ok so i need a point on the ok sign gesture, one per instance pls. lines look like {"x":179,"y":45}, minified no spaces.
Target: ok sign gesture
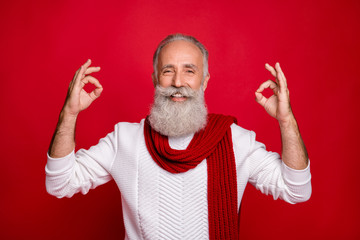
{"x":278,"y":104}
{"x":77,"y":98}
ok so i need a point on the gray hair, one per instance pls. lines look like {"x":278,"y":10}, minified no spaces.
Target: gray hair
{"x":188,"y":38}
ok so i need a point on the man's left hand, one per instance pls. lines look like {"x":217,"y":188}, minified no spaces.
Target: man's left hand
{"x":278,"y":104}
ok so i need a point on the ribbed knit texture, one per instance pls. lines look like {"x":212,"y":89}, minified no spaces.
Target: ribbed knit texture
{"x":146,"y":189}
{"x":215,"y":144}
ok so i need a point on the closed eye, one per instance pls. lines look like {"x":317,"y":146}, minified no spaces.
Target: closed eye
{"x":168,"y":68}
{"x":167,"y":71}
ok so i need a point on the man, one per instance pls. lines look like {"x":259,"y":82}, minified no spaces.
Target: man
{"x":181,"y":171}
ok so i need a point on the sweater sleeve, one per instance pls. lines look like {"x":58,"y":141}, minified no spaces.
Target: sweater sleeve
{"x":269,"y":174}
{"x":83,"y":170}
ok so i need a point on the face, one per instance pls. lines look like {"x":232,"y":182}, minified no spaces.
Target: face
{"x":180,"y":64}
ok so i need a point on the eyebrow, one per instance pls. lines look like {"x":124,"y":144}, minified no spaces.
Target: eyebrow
{"x":187,"y":65}
{"x":167,"y":66}
{"x":190,"y":65}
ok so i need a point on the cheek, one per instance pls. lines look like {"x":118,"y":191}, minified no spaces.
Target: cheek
{"x":195,"y":83}
{"x":165,"y":81}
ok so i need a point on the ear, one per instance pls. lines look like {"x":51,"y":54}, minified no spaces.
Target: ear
{"x":206,"y":80}
{"x":154,"y":79}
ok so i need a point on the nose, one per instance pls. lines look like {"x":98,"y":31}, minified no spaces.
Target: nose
{"x":177,"y":80}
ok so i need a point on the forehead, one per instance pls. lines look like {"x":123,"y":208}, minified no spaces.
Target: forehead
{"x":180,"y":51}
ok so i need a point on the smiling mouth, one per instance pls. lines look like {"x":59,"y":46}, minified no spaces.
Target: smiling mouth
{"x":178,"y":97}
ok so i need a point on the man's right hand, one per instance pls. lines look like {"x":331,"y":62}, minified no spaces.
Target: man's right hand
{"x":77,"y":98}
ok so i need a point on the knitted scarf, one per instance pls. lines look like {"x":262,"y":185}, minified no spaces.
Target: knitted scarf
{"x":215,"y":144}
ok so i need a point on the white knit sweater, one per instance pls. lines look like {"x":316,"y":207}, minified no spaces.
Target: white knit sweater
{"x":161,"y":205}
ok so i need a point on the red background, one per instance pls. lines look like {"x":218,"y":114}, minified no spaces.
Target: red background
{"x":44,"y":42}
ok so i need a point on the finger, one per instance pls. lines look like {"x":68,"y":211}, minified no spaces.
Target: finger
{"x":74,"y":79}
{"x":92,"y":70}
{"x":79,"y":75}
{"x":87,"y":63}
{"x":96,"y":93}
{"x":259,"y":98}
{"x":81,"y":72}
{"x":92,"y":80}
{"x":282,"y":73}
{"x":270,"y":69}
{"x":76,"y":73}
{"x":268,"y":84}
{"x":281,"y":77}
{"x":75,"y":76}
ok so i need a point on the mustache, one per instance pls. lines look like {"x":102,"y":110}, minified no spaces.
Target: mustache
{"x":169,"y":91}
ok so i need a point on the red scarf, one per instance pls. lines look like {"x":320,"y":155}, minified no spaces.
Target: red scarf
{"x":215,"y":144}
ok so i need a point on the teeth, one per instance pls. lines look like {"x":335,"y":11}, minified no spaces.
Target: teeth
{"x":178,"y":95}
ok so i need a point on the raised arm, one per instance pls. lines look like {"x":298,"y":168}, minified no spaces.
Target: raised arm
{"x":294,"y":153}
{"x":77,"y":99}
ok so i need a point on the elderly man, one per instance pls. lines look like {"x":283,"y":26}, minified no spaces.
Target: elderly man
{"x":181,"y":171}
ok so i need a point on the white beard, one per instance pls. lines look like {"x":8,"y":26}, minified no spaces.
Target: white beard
{"x":176,"y":119}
